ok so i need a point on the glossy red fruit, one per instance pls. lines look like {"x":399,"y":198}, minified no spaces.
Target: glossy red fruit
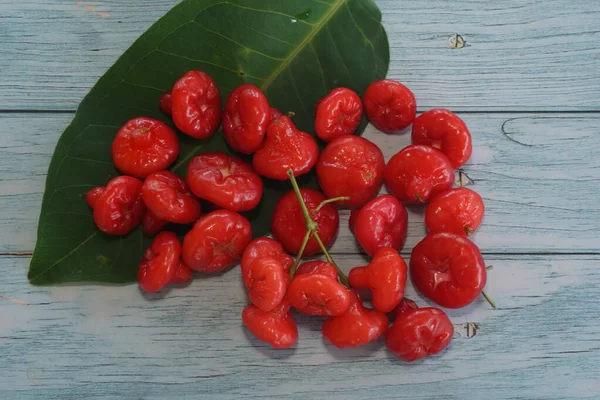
{"x":228,"y":182}
{"x":160,"y":262}
{"x":216,"y":241}
{"x":381,"y":223}
{"x":285,"y":148}
{"x":338,"y":114}
{"x":168,"y":197}
{"x":288,"y":224}
{"x":151,"y":224}
{"x":274,"y":115}
{"x":276,"y":327}
{"x":357,"y":326}
{"x":245,"y":119}
{"x":446,"y":131}
{"x":318,"y":267}
{"x":93,"y":195}
{"x":165,"y":103}
{"x":318,"y":295}
{"x":266,"y":281}
{"x":120,"y":208}
{"x":183,"y":274}
{"x":390,"y":106}
{"x":385,"y":277}
{"x":196,"y":105}
{"x":405,"y":306}
{"x":351,"y":166}
{"x":448,"y":269}
{"x":419,"y":333}
{"x":265,"y":248}
{"x":458,"y":211}
{"x":417,"y":173}
{"x":144,"y":146}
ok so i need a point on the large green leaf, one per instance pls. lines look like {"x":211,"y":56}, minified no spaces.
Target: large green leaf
{"x":295,"y":50}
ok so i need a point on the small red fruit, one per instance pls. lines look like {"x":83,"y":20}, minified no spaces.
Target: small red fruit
{"x":196,"y":105}
{"x":318,"y":295}
{"x":183,"y":274}
{"x":405,"y":306}
{"x":276,"y":327}
{"x":458,"y":211}
{"x":93,"y":195}
{"x":318,"y":267}
{"x":143,"y":146}
{"x":228,"y":182}
{"x":168,"y":197}
{"x":448,"y":269}
{"x":160,"y":262}
{"x":338,"y":114}
{"x":165,"y":102}
{"x":351,"y":166}
{"x":265,"y":248}
{"x":419,"y":333}
{"x":390,"y":106}
{"x":266,"y":281}
{"x":245,"y":119}
{"x":216,"y":241}
{"x":274,"y":115}
{"x":385,"y":277}
{"x":357,"y":326}
{"x":120,"y":208}
{"x":285,"y":148}
{"x":418,"y":172}
{"x":382,"y":223}
{"x":288,"y":224}
{"x":151,"y":224}
{"x":446,"y":131}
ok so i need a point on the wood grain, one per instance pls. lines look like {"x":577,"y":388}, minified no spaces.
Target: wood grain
{"x":529,"y":55}
{"x":531,"y":169}
{"x":112,"y":342}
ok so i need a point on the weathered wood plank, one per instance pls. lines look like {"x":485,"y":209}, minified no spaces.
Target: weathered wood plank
{"x":532,"y":170}
{"x":111,"y":342}
{"x":526,"y":55}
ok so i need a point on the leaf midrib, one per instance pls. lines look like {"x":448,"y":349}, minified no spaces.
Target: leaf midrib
{"x":308,"y":39}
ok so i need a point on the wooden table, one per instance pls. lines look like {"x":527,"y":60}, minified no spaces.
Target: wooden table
{"x":527,"y":82}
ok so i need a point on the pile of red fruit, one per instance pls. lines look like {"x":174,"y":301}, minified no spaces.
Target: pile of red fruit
{"x":445,"y":267}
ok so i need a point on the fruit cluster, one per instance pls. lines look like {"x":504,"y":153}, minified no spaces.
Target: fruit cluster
{"x":445,"y":267}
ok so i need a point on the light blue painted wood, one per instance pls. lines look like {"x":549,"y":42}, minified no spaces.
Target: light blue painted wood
{"x":112,"y":343}
{"x":519,"y":55}
{"x":531,"y":169}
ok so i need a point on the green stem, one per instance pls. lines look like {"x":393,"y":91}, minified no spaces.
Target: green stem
{"x":489,"y":267}
{"x":342,"y":276}
{"x":329,"y":201}
{"x":310,"y":224}
{"x":300,"y":253}
{"x":489,"y":300}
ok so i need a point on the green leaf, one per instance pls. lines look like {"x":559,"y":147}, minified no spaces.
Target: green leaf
{"x":295,"y":51}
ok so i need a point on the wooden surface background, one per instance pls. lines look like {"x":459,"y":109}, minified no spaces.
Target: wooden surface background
{"x":527,"y":82}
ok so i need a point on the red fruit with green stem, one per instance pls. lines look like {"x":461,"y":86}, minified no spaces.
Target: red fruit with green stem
{"x":196,"y":105}
{"x":390,"y":106}
{"x":151,"y":224}
{"x":285,"y":148}
{"x":245,"y":119}
{"x":381,"y":223}
{"x":216,"y":241}
{"x":318,"y":295}
{"x":417,"y":173}
{"x":160,"y":263}
{"x":338,"y":114}
{"x":144,"y":146}
{"x":352,"y":167}
{"x":288,"y":223}
{"x":357,"y":326}
{"x":169,"y":198}
{"x":448,"y":269}
{"x":276,"y":327}
{"x":165,"y":103}
{"x":458,"y":211}
{"x":385,"y":277}
{"x":226,"y":181}
{"x":446,"y":131}
{"x":419,"y":333}
{"x":119,"y":209}
{"x":317,"y":267}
